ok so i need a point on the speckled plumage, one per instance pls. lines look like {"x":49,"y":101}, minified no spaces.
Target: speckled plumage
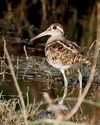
{"x":62,"y":53}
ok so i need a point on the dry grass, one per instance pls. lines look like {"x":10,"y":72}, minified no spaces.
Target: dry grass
{"x":8,"y":114}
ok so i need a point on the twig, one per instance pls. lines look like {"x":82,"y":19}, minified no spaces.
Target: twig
{"x":16,"y":83}
{"x":26,"y":53}
{"x":89,"y":82}
{"x":3,"y":67}
{"x":90,"y":48}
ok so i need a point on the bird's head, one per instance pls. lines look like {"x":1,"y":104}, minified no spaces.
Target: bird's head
{"x":55,"y":30}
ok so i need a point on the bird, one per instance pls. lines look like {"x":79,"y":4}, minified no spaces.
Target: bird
{"x":62,"y":54}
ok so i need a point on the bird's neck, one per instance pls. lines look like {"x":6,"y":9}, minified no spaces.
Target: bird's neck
{"x":55,"y":37}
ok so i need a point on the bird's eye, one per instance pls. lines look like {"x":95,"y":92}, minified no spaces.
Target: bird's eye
{"x":54,"y":27}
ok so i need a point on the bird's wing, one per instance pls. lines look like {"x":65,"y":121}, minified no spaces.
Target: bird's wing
{"x":71,"y":46}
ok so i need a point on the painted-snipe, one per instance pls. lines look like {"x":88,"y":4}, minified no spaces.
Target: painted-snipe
{"x":62,"y":53}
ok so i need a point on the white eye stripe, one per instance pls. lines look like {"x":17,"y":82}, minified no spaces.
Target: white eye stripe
{"x":60,"y":29}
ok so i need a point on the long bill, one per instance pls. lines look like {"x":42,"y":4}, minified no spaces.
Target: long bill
{"x":45,"y":33}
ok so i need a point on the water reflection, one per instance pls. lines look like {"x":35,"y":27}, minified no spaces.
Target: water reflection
{"x":36,"y":76}
{"x":34,"y":73}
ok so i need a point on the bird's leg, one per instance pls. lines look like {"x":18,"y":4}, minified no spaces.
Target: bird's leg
{"x":65,"y":86}
{"x":80,"y":81}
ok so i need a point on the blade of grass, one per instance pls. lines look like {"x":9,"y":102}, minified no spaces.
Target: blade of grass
{"x":55,"y":122}
{"x":16,"y":83}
